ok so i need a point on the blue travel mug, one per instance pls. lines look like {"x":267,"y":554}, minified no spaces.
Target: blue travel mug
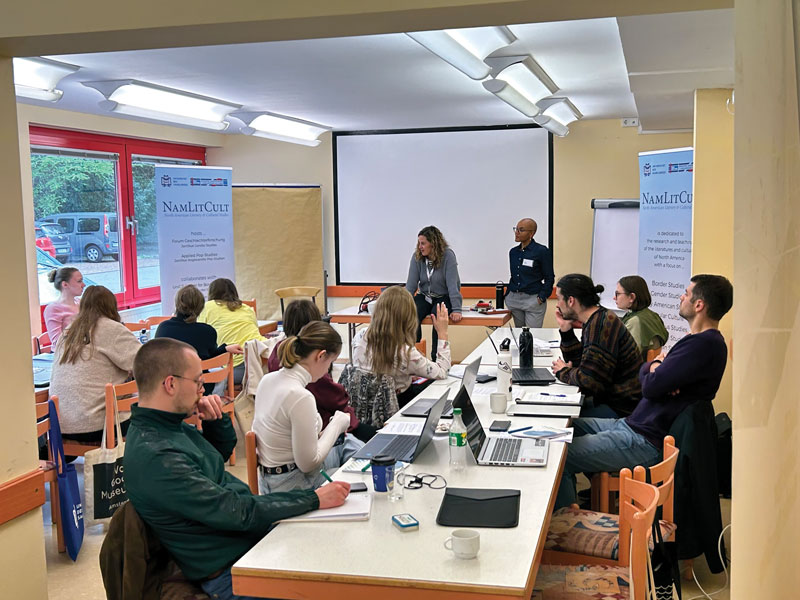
{"x":382,"y":472}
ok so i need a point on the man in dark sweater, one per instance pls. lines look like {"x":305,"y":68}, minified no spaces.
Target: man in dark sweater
{"x":175,"y":475}
{"x":691,"y":372}
{"x":605,"y":363}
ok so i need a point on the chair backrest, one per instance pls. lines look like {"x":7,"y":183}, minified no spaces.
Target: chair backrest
{"x":223,"y":370}
{"x":251,"y":458}
{"x":251,"y":304}
{"x":303,"y":291}
{"x":152,"y":321}
{"x":373,"y":397}
{"x":136,"y":326}
{"x":121,"y":395}
{"x":42,"y":344}
{"x":653,"y":352}
{"x":637,"y":507}
{"x":42,"y":409}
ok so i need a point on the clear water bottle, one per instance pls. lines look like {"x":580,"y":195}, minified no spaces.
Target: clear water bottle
{"x":144,"y":335}
{"x":458,"y":443}
{"x":526,"y":349}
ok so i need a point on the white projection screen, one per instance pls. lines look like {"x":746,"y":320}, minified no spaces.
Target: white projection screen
{"x":473,"y":184}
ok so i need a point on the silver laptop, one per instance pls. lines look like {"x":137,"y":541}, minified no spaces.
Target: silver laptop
{"x":422,"y":407}
{"x":501,"y":451}
{"x":404,"y":447}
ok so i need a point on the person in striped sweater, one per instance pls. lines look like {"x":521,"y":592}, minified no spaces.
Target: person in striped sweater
{"x":605,"y":363}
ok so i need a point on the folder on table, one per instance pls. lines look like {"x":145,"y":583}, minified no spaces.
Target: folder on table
{"x":474,"y":507}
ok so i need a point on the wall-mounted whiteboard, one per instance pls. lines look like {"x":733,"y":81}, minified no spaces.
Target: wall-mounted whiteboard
{"x":473,"y":184}
{"x":615,"y":244}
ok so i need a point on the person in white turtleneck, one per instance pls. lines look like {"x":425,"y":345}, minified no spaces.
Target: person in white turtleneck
{"x":290,"y":447}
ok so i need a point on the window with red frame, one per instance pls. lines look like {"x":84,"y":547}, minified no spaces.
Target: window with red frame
{"x":94,"y":208}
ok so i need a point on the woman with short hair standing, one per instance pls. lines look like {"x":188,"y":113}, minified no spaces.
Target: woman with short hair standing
{"x":60,"y":313}
{"x":96,"y":349}
{"x":433,"y":276}
{"x":292,"y":445}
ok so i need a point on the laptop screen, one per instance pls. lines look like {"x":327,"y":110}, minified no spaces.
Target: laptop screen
{"x":475,"y":433}
{"x":431,"y":421}
{"x":470,"y":373}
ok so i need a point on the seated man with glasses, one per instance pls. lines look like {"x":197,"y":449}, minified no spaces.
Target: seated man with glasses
{"x":176,"y":479}
{"x":531,"y":277}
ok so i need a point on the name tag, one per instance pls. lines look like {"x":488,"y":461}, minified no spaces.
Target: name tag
{"x":527,"y":262}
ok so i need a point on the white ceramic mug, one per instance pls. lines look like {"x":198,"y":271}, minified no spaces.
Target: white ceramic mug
{"x":371,"y":308}
{"x":464,"y":543}
{"x":498,"y":401}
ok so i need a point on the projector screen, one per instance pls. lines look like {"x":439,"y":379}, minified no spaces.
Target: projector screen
{"x":473,"y":184}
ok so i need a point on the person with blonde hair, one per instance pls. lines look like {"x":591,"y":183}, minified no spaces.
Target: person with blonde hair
{"x":386,"y":347}
{"x":60,"y":313}
{"x":234,"y":321}
{"x":292,"y":445}
{"x":433,"y":276}
{"x":189,"y":303}
{"x":96,"y":349}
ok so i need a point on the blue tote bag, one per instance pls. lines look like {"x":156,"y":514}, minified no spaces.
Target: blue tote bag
{"x":69,"y":495}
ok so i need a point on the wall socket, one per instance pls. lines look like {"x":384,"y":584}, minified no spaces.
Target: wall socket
{"x":630,"y":122}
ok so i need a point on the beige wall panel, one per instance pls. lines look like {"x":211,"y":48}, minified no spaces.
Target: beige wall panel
{"x":712,"y":208}
{"x":766,"y":417}
{"x":277,"y":243}
{"x":21,"y":540}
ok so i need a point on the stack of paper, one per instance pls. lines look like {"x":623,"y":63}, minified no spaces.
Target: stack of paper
{"x":554,"y":434}
{"x":547,"y":397}
{"x":356,"y":507}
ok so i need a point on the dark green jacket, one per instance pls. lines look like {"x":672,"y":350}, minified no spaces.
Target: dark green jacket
{"x":176,"y":479}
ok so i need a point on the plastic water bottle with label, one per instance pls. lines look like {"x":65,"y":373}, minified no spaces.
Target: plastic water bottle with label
{"x":144,"y":336}
{"x":458,"y":443}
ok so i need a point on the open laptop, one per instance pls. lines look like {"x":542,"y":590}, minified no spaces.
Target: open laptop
{"x":504,"y":451}
{"x":402,"y":447}
{"x":529,"y":375}
{"x":422,"y":407}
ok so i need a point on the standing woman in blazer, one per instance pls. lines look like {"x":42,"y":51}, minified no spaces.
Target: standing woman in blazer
{"x":433,"y":276}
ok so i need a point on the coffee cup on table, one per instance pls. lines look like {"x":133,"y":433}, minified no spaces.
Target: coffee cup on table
{"x":498,"y":402}
{"x":464,"y":543}
{"x":382,"y":467}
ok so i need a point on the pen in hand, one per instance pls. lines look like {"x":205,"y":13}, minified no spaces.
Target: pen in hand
{"x":326,"y":476}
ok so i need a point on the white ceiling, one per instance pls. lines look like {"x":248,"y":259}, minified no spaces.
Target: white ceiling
{"x":391,"y":82}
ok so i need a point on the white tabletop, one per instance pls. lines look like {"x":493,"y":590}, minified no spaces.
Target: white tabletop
{"x":351,"y":558}
{"x":469,"y":317}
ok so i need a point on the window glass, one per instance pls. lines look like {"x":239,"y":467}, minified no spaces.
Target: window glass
{"x":86,"y":225}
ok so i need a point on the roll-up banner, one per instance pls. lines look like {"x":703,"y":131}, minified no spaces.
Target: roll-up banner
{"x":195,"y":228}
{"x":665,"y":231}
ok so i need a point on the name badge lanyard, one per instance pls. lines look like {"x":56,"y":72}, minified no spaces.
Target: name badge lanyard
{"x":429,"y":269}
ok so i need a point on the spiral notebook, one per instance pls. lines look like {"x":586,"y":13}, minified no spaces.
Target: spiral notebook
{"x":357,"y":507}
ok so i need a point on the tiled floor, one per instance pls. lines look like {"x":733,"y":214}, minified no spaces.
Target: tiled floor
{"x":82,"y":580}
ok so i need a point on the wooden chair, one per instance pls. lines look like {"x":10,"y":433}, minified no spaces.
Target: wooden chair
{"x":638,"y":502}
{"x":122,"y":395}
{"x":251,"y":458}
{"x":586,"y":537}
{"x":49,"y":466}
{"x":652,"y":353}
{"x":42,"y":344}
{"x":153,"y":321}
{"x":301,"y":291}
{"x":251,"y":304}
{"x":422,"y":346}
{"x":223,"y":371}
{"x":606,"y":484}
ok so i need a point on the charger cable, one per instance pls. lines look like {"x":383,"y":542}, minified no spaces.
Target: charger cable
{"x":705,"y":594}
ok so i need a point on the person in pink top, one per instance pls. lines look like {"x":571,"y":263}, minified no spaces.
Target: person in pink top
{"x":57,"y":315}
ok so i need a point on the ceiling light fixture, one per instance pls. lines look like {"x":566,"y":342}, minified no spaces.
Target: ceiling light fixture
{"x":520,"y":82}
{"x":37,"y":78}
{"x":148,"y":101}
{"x":556,"y":114}
{"x":281,"y":128}
{"x":466,"y":49}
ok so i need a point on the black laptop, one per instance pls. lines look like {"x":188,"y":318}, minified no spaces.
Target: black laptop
{"x":422,"y":407}
{"x":532,"y":376}
{"x":405,"y":448}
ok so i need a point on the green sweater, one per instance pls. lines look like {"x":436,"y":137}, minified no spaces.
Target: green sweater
{"x":645,"y":326}
{"x":176,"y":479}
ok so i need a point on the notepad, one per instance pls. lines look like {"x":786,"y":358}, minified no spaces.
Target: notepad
{"x":357,"y":507}
{"x":356,"y":465}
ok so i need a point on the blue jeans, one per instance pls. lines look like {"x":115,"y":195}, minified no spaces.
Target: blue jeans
{"x":341,"y":454}
{"x":602,"y":445}
{"x":221,"y":588}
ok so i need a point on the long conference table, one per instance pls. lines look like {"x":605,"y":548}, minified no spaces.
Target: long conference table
{"x":372,"y":559}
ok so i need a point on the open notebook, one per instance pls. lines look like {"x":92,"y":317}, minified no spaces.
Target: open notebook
{"x":356,"y":507}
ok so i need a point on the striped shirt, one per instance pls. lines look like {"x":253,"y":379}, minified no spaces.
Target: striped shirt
{"x":605,"y":363}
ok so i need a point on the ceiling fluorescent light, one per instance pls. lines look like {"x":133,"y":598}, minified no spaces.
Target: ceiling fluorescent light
{"x":465,"y":49}
{"x":281,"y":128}
{"x":559,"y":109}
{"x":553,"y":126}
{"x":37,"y":78}
{"x":512,"y":97}
{"x":145,"y":100}
{"x":524,"y":74}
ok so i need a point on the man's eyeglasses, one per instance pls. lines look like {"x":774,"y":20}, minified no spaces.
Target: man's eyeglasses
{"x":198,"y":382}
{"x":519,"y":229}
{"x":416,"y":481}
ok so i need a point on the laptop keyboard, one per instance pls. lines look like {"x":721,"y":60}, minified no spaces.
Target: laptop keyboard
{"x":401,"y":446}
{"x":506,"y":450}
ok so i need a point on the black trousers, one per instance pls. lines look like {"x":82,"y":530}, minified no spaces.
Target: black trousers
{"x":423,"y":310}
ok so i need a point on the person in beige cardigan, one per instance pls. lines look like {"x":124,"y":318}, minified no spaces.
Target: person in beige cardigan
{"x":95,"y":350}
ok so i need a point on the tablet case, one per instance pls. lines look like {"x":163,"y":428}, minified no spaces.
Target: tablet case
{"x":473,"y":507}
